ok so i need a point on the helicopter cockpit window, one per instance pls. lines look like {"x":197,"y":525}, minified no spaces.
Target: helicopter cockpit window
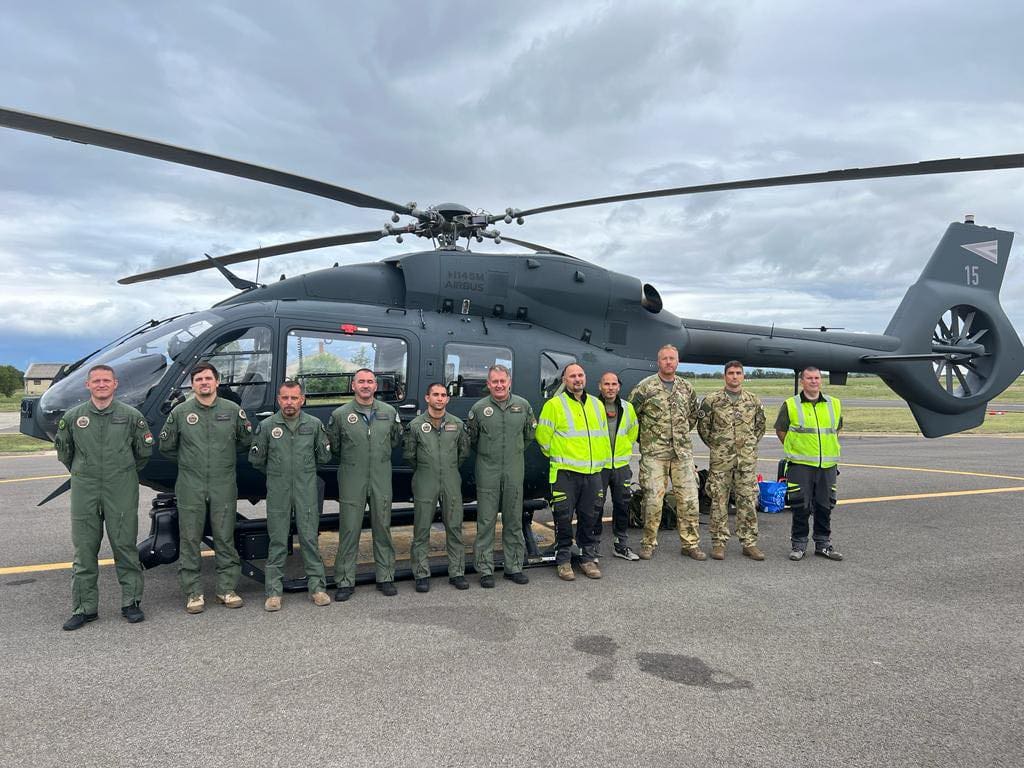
{"x":551,"y":366}
{"x":324,"y":362}
{"x":244,"y":360}
{"x":465,"y":367}
{"x":140,"y":362}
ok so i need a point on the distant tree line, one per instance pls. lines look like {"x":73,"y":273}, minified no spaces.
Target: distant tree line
{"x":11,"y":380}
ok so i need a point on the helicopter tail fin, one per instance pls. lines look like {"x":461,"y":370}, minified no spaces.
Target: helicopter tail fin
{"x":957,"y":350}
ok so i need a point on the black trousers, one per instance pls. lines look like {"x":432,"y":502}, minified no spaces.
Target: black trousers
{"x":814,"y":494}
{"x":574,"y":493}
{"x":618,"y":481}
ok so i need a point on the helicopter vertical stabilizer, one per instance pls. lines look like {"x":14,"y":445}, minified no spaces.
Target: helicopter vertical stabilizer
{"x":957,"y":348}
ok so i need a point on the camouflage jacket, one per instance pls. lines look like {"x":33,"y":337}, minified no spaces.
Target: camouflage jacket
{"x":731,"y":430}
{"x":666,"y":418}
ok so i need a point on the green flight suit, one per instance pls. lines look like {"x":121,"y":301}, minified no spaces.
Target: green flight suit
{"x":287,"y":451}
{"x":363,"y":448}
{"x":104,"y":450}
{"x":499,"y":433}
{"x":435,"y":454}
{"x":204,"y":442}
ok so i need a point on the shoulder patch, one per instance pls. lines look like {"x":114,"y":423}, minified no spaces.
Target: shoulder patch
{"x":62,"y":424}
{"x":241,"y":413}
{"x":472,"y":415}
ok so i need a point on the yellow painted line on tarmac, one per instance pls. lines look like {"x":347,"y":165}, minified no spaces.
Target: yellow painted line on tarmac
{"x":40,"y":477}
{"x":939,"y":495}
{"x":13,"y":569}
{"x":935,"y":471}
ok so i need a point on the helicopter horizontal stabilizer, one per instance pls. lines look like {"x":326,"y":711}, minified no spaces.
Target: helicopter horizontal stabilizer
{"x":60,"y":489}
{"x":957,"y":348}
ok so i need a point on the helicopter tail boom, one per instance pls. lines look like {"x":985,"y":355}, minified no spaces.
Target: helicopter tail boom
{"x":948,"y":350}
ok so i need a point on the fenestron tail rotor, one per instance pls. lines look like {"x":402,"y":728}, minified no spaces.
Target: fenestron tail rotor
{"x":966,"y":362}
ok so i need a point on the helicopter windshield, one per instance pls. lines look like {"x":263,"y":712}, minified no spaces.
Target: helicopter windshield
{"x":139,"y":363}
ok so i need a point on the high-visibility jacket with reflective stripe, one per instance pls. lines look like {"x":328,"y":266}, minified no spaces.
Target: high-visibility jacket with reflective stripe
{"x":625,"y":435}
{"x":813,"y":434}
{"x":574,"y":435}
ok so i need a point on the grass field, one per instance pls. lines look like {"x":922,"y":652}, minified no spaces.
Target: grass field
{"x":23,"y":444}
{"x":10,"y":404}
{"x":857,"y":419}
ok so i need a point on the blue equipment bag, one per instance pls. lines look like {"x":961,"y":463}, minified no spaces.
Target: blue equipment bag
{"x":772,"y":496}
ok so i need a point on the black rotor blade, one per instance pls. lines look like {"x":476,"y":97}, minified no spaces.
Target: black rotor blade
{"x":83,"y":134}
{"x":951,"y":165}
{"x":534,"y":246}
{"x":256,"y":253}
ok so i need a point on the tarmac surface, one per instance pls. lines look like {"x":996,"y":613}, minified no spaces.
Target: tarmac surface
{"x":908,"y":653}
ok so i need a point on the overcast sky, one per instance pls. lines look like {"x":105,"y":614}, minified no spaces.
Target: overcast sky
{"x":534,"y":104}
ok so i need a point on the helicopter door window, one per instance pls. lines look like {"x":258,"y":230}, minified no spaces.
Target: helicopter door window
{"x":465,"y":367}
{"x":551,"y":366}
{"x":244,"y":360}
{"x":324,"y":363}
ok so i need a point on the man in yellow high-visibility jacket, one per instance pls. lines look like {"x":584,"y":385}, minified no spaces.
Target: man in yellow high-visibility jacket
{"x":623,"y":428}
{"x":808,"y":427}
{"x":573,"y":433}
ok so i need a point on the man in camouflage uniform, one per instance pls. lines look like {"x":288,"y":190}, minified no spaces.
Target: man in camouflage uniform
{"x":104,"y":444}
{"x":362,"y":434}
{"x":287,"y":448}
{"x":500,"y":425}
{"x":203,"y":436}
{"x":436,"y":444}
{"x":731,"y":422}
{"x":666,"y":407}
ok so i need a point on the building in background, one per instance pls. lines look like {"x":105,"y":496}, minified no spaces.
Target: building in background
{"x":39,"y":377}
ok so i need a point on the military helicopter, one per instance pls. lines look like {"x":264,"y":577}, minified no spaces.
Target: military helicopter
{"x":447,"y":314}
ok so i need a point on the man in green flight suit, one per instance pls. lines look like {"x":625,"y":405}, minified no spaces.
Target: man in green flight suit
{"x":501,"y":425}
{"x":362,"y":434}
{"x":436,"y":444}
{"x":287,"y":448}
{"x":203,"y":436}
{"x":104,"y":443}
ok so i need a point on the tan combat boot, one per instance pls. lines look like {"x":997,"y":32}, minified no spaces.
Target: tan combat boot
{"x":718,"y":551}
{"x":590,"y":570}
{"x":753,"y":552}
{"x":695,"y":552}
{"x":646,"y":552}
{"x":272,"y":603}
{"x":565,"y":572}
{"x":195,"y":604}
{"x":231,"y":600}
{"x":320,"y":598}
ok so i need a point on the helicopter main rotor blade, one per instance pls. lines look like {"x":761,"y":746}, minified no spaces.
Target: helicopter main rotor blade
{"x":256,"y":253}
{"x":950,"y":165}
{"x":83,"y":134}
{"x":534,"y":246}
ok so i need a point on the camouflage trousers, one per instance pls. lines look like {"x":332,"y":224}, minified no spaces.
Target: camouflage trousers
{"x":740,"y":482}
{"x":655,"y":475}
